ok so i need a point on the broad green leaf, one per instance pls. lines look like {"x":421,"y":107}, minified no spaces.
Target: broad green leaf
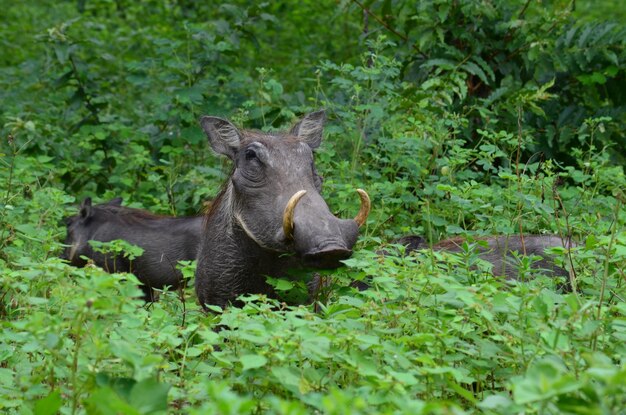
{"x":252,"y":361}
{"x":49,"y":405}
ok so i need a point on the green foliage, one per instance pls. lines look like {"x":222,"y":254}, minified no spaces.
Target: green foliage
{"x":504,"y":62}
{"x":117,"y":247}
{"x":465,"y":118}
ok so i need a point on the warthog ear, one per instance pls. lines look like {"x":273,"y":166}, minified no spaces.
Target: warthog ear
{"x":116,"y":201}
{"x":412,"y":242}
{"x":310,"y":128}
{"x":223,"y":136}
{"x":85,"y":208}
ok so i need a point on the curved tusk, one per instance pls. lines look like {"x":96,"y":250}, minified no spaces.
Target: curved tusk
{"x":288,"y":213}
{"x":366,"y":205}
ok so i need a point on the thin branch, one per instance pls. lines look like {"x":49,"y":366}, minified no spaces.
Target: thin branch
{"x":523,"y":11}
{"x":386,"y":26}
{"x":517,"y":173}
{"x":566,"y":237}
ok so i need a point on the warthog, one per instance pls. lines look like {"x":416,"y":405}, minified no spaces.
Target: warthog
{"x":165,"y":241}
{"x":269,"y":215}
{"x":499,"y":251}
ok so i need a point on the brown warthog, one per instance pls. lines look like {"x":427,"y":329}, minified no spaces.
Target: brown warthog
{"x":165,"y":241}
{"x":499,"y":251}
{"x":269,"y":216}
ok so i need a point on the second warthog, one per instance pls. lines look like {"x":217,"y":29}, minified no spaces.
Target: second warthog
{"x":165,"y":240}
{"x":269,"y":216}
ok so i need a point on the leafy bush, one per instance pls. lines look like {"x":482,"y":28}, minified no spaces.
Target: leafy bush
{"x":503,"y":63}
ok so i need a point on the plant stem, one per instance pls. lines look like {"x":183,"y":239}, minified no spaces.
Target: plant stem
{"x":605,"y":275}
{"x":77,"y":344}
{"x":11,"y":142}
{"x":519,"y":178}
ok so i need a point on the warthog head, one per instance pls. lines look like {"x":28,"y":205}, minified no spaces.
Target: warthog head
{"x":81,"y":229}
{"x":275,"y":191}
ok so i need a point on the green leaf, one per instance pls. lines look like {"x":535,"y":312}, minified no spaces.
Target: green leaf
{"x":105,"y":401}
{"x":440,"y":63}
{"x":252,"y":361}
{"x":280,"y":284}
{"x":122,"y":386}
{"x":403,"y":377}
{"x":474,"y":69}
{"x":544,"y":380}
{"x":495,"y":402}
{"x":149,"y":396}
{"x":287,"y":376}
{"x":49,"y":405}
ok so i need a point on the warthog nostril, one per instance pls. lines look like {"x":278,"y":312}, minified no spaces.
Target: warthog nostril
{"x":327,"y":257}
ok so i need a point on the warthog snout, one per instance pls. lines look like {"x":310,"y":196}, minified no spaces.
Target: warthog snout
{"x":327,"y":253}
{"x":328,"y":256}
{"x":321,"y":239}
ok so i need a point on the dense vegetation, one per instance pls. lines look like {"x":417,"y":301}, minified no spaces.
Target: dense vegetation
{"x":465,"y":117}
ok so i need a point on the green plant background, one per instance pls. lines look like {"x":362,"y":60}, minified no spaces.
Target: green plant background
{"x":465,"y":117}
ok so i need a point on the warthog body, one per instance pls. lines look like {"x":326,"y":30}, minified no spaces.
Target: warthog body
{"x":165,"y":241}
{"x":499,"y":251}
{"x":269,"y":216}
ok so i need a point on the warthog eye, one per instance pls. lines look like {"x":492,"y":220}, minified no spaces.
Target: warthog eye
{"x":250,"y":154}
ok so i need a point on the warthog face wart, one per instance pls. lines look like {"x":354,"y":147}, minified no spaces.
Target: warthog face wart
{"x":269,"y":206}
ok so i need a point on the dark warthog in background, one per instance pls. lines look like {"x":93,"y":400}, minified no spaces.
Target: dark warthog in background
{"x":165,"y":241}
{"x":270,"y":207}
{"x":499,"y":251}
